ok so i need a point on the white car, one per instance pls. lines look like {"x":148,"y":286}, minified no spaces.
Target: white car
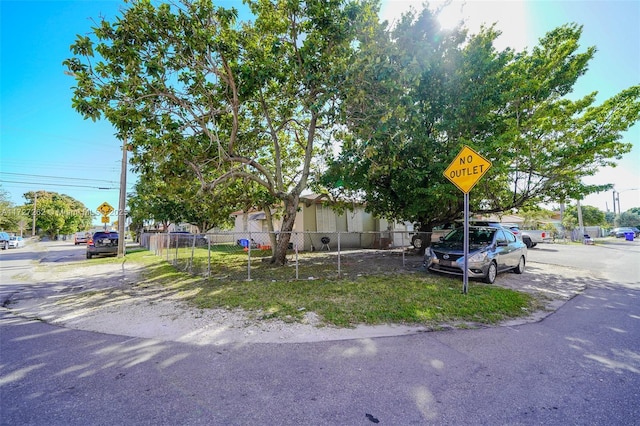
{"x":81,"y":238}
{"x":16,"y":242}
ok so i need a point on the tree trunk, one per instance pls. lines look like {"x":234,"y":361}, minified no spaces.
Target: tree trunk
{"x":280,"y":251}
{"x":272,"y":235}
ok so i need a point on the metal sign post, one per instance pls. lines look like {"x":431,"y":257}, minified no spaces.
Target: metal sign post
{"x":465,"y":273}
{"x":464,"y":172}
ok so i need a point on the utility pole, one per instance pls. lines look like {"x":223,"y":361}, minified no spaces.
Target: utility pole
{"x":123,"y":199}
{"x":580,"y":223}
{"x":33,"y":222}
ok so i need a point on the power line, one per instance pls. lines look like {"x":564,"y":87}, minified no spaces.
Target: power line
{"x":58,"y":177}
{"x":56,"y":184}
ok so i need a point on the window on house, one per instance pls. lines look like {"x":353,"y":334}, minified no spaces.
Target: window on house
{"x":325,"y":219}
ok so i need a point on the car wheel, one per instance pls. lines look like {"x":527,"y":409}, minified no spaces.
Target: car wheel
{"x":492,"y":272}
{"x":88,"y":255}
{"x":6,"y":246}
{"x":527,"y":242}
{"x":417,"y":241}
{"x":520,"y":268}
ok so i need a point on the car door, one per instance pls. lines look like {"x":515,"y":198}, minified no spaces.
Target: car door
{"x":503,"y":250}
{"x":513,"y":256}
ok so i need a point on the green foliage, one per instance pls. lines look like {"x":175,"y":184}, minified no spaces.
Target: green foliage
{"x":609,"y":217}
{"x":178,"y":198}
{"x":628,"y":219}
{"x":533,"y":215}
{"x":58,"y":214}
{"x":416,"y":94}
{"x":591,"y":216}
{"x":12,"y":218}
{"x":154,"y":201}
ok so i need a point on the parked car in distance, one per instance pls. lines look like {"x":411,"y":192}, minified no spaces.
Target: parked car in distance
{"x":422,"y":240}
{"x":491,"y":250}
{"x":16,"y":242}
{"x":4,"y":240}
{"x":102,"y":242}
{"x":619,"y":232}
{"x":81,"y":237}
{"x":531,"y":237}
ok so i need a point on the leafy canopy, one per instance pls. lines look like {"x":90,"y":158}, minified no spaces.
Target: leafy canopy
{"x":58,"y":214}
{"x":233,"y":100}
{"x":416,"y":94}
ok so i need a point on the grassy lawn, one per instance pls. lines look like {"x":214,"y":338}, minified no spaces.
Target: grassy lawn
{"x":395,"y":297}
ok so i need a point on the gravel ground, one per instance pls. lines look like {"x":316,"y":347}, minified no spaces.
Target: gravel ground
{"x":106,"y":301}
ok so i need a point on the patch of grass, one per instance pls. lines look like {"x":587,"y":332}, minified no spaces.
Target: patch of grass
{"x":370,"y":299}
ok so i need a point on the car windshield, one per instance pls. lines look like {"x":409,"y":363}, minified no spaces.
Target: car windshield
{"x":476,"y":235}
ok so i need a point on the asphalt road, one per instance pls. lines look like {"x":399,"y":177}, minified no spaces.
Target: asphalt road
{"x":579,"y":366}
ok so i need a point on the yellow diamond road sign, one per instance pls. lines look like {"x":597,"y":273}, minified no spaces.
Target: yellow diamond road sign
{"x":466,"y":169}
{"x":105,"y":209}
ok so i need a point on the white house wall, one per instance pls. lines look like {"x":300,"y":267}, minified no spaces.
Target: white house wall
{"x":354,"y":220}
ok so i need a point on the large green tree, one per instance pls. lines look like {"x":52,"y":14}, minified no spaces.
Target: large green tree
{"x":58,"y":214}
{"x":154,"y":200}
{"x":252,"y":99}
{"x":417,"y":94}
{"x":169,"y":193}
{"x":591,"y":216}
{"x":628,"y":218}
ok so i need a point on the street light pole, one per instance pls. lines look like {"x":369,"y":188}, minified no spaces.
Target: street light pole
{"x":122,"y":217}
{"x":616,"y":199}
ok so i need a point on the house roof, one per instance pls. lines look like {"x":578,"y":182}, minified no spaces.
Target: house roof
{"x":312,"y":198}
{"x":308,"y":199}
{"x":257,"y":216}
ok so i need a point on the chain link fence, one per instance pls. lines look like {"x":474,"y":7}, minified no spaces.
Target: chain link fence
{"x":310,"y":255}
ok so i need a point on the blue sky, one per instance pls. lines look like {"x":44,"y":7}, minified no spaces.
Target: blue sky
{"x":45,"y":144}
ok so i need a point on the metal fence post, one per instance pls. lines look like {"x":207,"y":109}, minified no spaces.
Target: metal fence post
{"x":208,"y":257}
{"x":296,"y":249}
{"x":249,"y":258}
{"x":193,"y":249}
{"x":175,"y":260}
{"x":339,"y":271}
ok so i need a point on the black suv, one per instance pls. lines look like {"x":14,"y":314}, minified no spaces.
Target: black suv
{"x":102,"y":242}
